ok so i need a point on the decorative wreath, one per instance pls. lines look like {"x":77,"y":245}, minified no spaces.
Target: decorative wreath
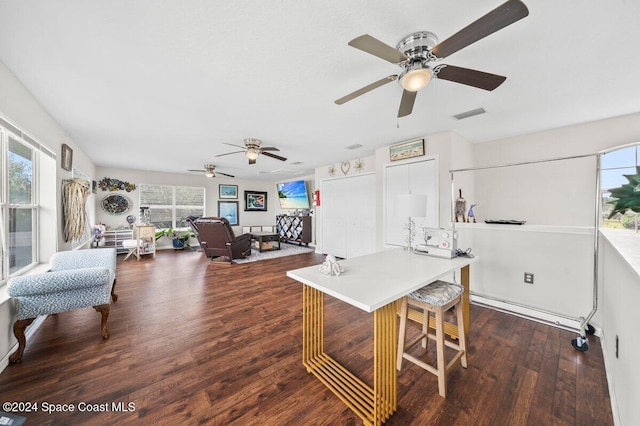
{"x":109,"y":184}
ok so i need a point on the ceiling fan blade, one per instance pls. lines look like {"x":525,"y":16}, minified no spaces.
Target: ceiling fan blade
{"x":366,"y":89}
{"x":224,"y":174}
{"x":269,"y":148}
{"x":277,"y":157}
{"x":500,"y":17}
{"x":237,"y":146}
{"x":479,"y":79}
{"x":191,"y":170}
{"x":252,"y":161}
{"x":406,"y":104}
{"x":375,"y":47}
{"x":229,"y":153}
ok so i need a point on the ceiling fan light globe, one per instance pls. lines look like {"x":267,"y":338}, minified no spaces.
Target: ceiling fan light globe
{"x":209,"y":173}
{"x":252,"y":153}
{"x":416,"y":79}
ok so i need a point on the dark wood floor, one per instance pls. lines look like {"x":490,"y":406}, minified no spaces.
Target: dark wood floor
{"x":193,"y":342}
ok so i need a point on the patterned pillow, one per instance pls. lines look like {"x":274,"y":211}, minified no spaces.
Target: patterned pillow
{"x":438,"y":293}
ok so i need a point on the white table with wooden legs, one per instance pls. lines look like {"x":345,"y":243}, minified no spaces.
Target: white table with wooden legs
{"x":373,"y":283}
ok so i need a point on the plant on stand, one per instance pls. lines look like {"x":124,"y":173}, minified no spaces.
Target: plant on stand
{"x":178,"y":238}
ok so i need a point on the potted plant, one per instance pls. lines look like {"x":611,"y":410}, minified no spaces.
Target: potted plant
{"x":178,"y":238}
{"x":627,"y":197}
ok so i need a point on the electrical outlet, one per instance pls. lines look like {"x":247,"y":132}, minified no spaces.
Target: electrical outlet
{"x":528,"y":278}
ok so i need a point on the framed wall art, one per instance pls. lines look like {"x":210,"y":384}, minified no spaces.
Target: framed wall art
{"x":227,"y":191}
{"x":255,"y":201}
{"x":408,"y":149}
{"x":66,"y":161}
{"x":229,"y":210}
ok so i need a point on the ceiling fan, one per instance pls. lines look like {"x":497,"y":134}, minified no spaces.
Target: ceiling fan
{"x":415,"y":53}
{"x":252,"y":150}
{"x":209,"y":171}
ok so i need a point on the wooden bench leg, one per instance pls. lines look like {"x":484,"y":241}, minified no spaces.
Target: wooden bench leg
{"x":18,"y":331}
{"x":114,"y":296}
{"x":104,"y":310}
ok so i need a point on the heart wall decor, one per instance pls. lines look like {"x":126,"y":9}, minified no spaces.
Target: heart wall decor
{"x":345,"y":166}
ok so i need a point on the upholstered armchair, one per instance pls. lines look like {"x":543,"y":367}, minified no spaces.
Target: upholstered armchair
{"x":217,"y":239}
{"x":76,"y":279}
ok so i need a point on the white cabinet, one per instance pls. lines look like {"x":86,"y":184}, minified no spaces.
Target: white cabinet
{"x":115,"y":238}
{"x":418,"y":177}
{"x":349,"y":215}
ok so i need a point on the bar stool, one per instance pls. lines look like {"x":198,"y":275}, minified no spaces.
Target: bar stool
{"x":437,"y":297}
{"x":132,"y":246}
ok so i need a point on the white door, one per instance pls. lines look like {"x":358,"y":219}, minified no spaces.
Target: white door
{"x":419,"y":177}
{"x":349,"y":216}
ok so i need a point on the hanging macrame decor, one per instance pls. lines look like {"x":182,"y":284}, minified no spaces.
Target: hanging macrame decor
{"x":74,"y":208}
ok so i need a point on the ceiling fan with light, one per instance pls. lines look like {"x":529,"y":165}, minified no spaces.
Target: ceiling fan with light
{"x":252,"y":149}
{"x":209,"y":171}
{"x":417,"y":52}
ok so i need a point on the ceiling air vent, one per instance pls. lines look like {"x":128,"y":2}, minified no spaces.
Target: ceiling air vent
{"x":469,"y":113}
{"x":354,"y":146}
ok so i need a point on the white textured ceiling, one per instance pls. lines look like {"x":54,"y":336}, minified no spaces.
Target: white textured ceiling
{"x":160,"y":85}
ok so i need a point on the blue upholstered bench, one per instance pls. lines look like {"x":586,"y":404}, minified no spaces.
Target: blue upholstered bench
{"x":76,"y":279}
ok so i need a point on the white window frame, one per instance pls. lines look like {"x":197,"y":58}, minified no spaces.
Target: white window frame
{"x":604,"y":191}
{"x":5,"y":134}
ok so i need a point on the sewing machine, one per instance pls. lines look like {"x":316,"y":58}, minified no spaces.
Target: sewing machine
{"x":439,"y":242}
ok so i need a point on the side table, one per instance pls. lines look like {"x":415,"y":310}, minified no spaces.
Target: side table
{"x":265,"y":241}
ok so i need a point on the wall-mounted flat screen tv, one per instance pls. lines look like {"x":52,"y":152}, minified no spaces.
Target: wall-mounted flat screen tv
{"x":293,"y":195}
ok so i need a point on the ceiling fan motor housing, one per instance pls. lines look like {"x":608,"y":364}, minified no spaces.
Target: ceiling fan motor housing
{"x":252,"y":143}
{"x":417,"y":46}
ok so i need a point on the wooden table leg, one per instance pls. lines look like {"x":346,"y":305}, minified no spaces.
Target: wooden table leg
{"x":464,"y":280}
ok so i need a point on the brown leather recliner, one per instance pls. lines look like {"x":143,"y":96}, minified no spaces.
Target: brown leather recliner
{"x":217,"y":239}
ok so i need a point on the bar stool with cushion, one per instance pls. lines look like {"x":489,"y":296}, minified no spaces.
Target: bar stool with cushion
{"x":437,"y":297}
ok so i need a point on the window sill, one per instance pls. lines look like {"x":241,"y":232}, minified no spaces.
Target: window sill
{"x":626,"y":243}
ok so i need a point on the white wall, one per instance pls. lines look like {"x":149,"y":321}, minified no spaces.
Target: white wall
{"x":620,"y":318}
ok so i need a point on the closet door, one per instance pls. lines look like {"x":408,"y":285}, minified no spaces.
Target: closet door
{"x":334,"y":196}
{"x":361,"y":232}
{"x":419,"y":177}
{"x":349,"y":216}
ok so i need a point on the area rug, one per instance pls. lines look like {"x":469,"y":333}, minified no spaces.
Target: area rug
{"x":285,"y":250}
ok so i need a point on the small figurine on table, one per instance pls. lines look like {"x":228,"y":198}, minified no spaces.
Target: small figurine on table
{"x":461,"y":207}
{"x":471,"y":214}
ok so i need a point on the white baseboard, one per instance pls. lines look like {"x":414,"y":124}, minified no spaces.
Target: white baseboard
{"x":529,"y":313}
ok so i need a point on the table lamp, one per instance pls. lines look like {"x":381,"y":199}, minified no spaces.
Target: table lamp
{"x":411,"y":206}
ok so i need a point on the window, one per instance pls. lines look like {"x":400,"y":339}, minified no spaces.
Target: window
{"x":169,"y":205}
{"x":614,"y":165}
{"x":24,"y":166}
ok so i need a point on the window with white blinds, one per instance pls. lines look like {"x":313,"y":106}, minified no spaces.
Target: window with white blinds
{"x":169,"y":205}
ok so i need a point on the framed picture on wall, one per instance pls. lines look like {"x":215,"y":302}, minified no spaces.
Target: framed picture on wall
{"x":228,"y":191}
{"x":229,"y":210}
{"x":408,"y":149}
{"x":66,"y":161}
{"x":255,"y":201}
